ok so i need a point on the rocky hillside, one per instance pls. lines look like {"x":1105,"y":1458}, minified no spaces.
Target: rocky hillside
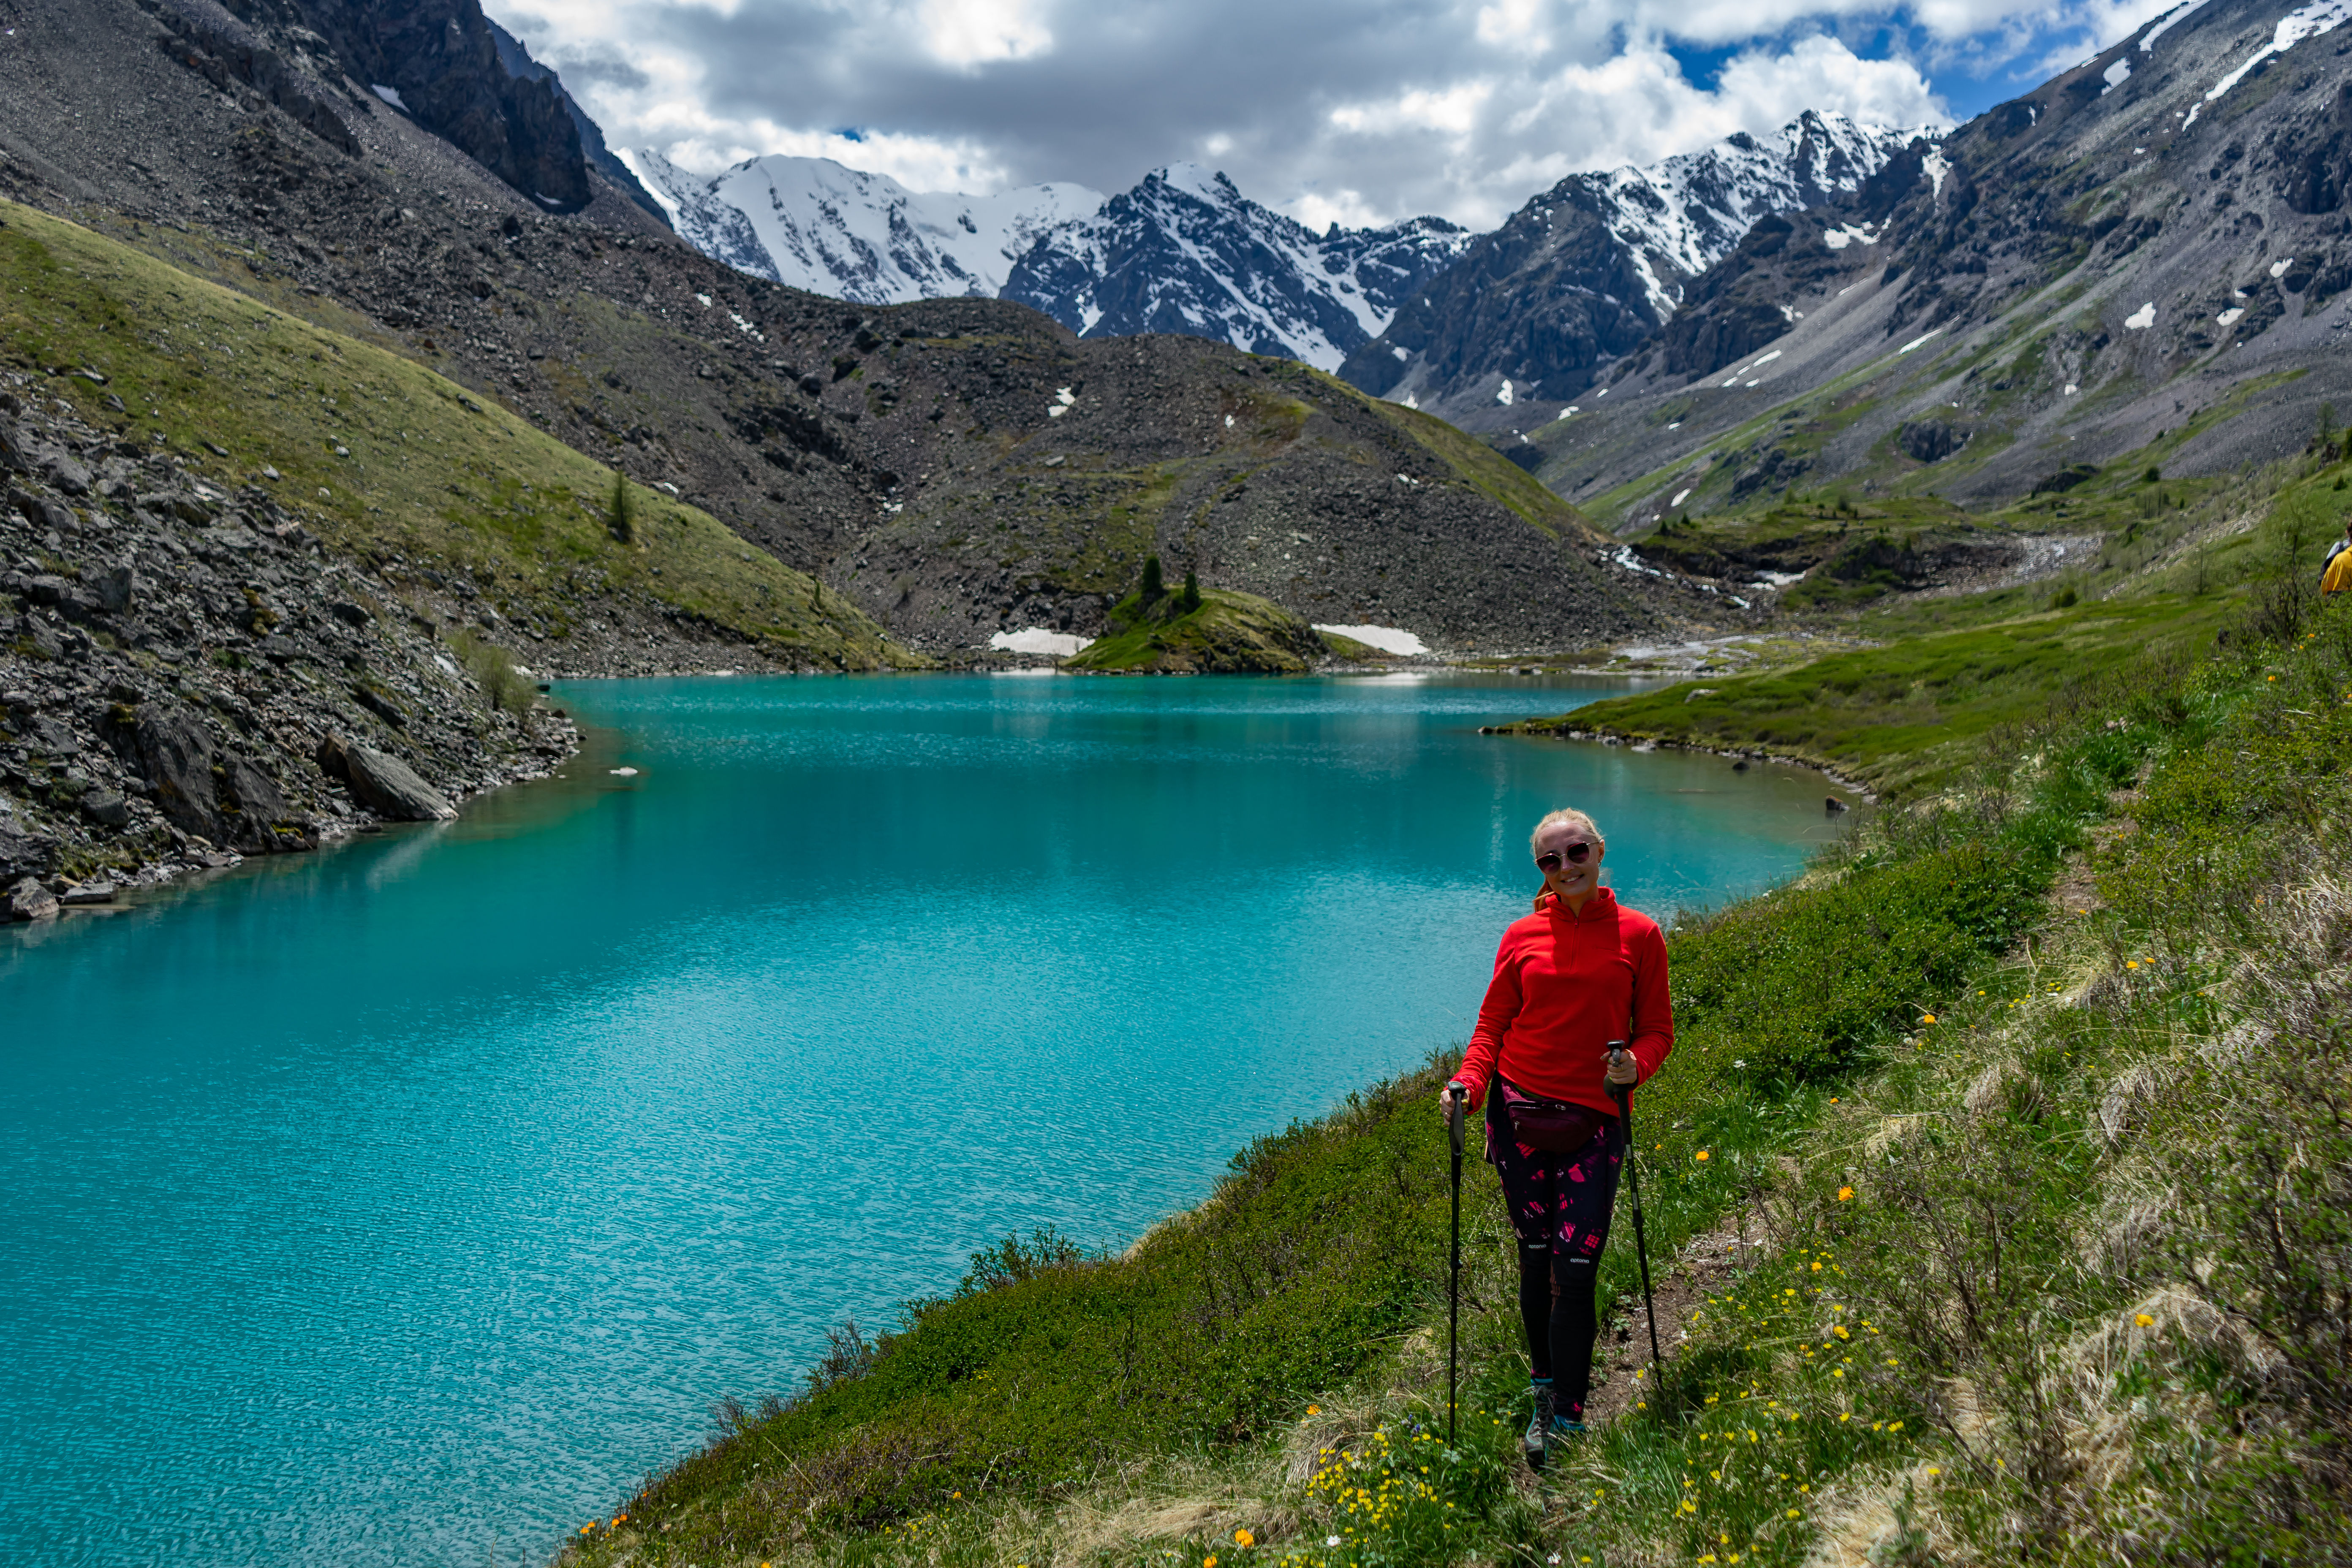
{"x":830,"y":435}
{"x":1185,"y":252}
{"x":1585,"y":273}
{"x":261,"y":583}
{"x":2150,"y":250}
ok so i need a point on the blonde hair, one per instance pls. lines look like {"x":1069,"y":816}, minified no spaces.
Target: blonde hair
{"x":1574,"y":818}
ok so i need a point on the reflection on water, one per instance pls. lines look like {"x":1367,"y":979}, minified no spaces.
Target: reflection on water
{"x":375,"y":1206}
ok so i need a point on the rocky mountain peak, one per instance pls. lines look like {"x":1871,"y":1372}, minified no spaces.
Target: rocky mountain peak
{"x":1184,"y":251}
{"x":1586,"y":271}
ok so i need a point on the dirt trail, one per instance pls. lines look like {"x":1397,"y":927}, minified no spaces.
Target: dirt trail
{"x":1680,"y":1285}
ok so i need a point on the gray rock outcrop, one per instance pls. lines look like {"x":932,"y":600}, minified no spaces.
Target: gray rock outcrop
{"x":386,"y":785}
{"x":28,"y":900}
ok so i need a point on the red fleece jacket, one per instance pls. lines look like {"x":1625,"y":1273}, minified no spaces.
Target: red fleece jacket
{"x":1565,"y":985}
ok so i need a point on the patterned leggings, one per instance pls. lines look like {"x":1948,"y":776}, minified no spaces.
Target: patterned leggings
{"x":1559,"y":1206}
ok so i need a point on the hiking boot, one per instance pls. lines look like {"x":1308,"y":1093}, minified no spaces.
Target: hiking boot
{"x":1550,"y":1426}
{"x":1537,"y":1437}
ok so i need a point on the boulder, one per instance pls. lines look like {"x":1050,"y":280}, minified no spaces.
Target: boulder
{"x":177,"y":754}
{"x":386,"y":785}
{"x":253,"y":816}
{"x":28,"y":900}
{"x":23,"y":854}
{"x":68,"y":473}
{"x":107,"y":808}
{"x":1930,"y":440}
{"x":87,"y":893}
{"x":115,"y":586}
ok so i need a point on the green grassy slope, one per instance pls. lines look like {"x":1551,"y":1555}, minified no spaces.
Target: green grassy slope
{"x":2028,"y":1264}
{"x":391,"y":459}
{"x":2174,"y":564}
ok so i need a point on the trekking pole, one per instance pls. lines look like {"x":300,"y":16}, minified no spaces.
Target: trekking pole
{"x":1455,"y":1094}
{"x":1624,"y":1096}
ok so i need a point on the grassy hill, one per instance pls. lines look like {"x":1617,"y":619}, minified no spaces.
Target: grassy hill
{"x":398,"y":464}
{"x":2167,"y":569}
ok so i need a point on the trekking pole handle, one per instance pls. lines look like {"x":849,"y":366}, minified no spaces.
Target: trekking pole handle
{"x":1455,"y":1095}
{"x":1617,"y":1091}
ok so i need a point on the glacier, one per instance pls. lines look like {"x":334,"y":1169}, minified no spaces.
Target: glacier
{"x":815,"y":224}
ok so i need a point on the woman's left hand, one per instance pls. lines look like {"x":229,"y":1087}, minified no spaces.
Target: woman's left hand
{"x":1623,"y":1071}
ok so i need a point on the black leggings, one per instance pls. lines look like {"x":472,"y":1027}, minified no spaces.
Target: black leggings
{"x":1556,"y":1310}
{"x":1560,"y":1206}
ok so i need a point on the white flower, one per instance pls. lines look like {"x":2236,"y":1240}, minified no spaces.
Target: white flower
{"x":1334,"y":1541}
{"x":1738,"y":1061}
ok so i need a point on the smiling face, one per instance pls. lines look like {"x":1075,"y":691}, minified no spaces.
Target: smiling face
{"x":1571,"y":882}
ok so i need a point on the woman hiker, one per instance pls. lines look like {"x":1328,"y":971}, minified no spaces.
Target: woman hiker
{"x":1579,"y":973}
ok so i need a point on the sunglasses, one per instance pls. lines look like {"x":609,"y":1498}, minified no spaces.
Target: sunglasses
{"x":1550,"y":859}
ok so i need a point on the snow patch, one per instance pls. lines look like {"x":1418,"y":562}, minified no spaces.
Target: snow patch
{"x":2310,"y":22}
{"x":1564,"y":413}
{"x":2229,"y":316}
{"x":1039,"y":640}
{"x":2171,"y":19}
{"x":746,"y":328}
{"x":2141,"y":320}
{"x":2070,"y":391}
{"x":1777,"y":579}
{"x":1922,"y":338}
{"x":2278,"y":268}
{"x":1503,"y":393}
{"x":1850,"y":234}
{"x":2117,"y":75}
{"x":1680,"y":496}
{"x":1387,"y":639}
{"x":391,"y":95}
{"x":1401,"y":356}
{"x":1935,"y":165}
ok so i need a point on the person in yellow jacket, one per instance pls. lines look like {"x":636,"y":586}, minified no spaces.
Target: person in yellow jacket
{"x":2338,"y":575}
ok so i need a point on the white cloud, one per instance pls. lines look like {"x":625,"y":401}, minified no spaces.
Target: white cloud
{"x":1323,"y":107}
{"x":974,"y":32}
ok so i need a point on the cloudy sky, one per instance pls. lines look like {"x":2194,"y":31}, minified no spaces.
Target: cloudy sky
{"x":1359,"y":110}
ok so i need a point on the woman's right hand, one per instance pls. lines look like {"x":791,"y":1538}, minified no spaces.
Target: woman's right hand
{"x":1446,"y":1099}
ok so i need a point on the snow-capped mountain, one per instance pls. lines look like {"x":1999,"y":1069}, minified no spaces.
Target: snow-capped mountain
{"x":1588,"y":270}
{"x":815,"y":225}
{"x":1186,"y":252}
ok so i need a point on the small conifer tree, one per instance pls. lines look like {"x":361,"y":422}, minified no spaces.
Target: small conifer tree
{"x":1191,"y":600}
{"x":621,"y":516}
{"x":1154,"y":585}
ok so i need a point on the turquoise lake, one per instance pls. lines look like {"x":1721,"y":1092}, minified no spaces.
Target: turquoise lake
{"x":407,"y":1203}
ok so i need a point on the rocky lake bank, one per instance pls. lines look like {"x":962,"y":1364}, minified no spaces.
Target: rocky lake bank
{"x":190,"y":675}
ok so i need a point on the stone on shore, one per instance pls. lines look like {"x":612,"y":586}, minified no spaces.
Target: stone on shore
{"x":28,"y":900}
{"x":386,"y":785}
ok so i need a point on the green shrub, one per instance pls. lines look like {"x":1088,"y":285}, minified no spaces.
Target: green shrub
{"x":504,"y":688}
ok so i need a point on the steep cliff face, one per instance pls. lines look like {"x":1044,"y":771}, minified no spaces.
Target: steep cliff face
{"x":1585,"y":273}
{"x":518,"y":64}
{"x":436,"y":61}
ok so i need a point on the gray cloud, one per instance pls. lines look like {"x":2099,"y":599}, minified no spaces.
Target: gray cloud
{"x":1361,"y":110}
